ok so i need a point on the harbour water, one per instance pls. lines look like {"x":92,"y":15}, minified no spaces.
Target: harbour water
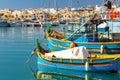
{"x":16,"y":44}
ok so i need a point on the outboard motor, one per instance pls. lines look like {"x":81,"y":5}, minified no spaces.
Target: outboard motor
{"x":108,"y":4}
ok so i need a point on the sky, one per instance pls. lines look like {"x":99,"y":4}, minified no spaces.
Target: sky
{"x":22,"y":4}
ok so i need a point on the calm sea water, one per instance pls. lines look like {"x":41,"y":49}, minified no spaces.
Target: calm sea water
{"x":16,"y":44}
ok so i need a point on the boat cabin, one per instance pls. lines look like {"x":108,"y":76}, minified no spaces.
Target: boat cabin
{"x":84,"y":33}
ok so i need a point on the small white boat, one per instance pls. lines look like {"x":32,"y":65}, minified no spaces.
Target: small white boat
{"x":55,"y":23}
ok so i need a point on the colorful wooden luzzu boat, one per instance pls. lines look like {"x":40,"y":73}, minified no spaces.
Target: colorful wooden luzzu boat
{"x":78,"y":59}
{"x":85,"y":35}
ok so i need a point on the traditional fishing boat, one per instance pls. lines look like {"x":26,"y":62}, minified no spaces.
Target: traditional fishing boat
{"x":96,"y":40}
{"x":4,"y":23}
{"x":77,"y":59}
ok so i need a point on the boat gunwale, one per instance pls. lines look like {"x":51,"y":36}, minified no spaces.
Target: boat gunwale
{"x":91,"y":59}
{"x":63,"y":40}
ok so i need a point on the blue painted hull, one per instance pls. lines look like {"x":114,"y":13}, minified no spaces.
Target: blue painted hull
{"x":111,"y":47}
{"x":109,"y":66}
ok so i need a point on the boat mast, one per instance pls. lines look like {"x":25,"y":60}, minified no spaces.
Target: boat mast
{"x":44,"y":4}
{"x":78,"y":4}
{"x":70,"y":3}
{"x":113,"y":1}
{"x":54,"y":3}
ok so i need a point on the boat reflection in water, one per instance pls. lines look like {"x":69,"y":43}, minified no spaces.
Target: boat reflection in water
{"x":49,"y":73}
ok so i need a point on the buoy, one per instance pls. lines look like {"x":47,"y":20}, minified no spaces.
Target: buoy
{"x":102,"y":49}
{"x":72,"y":45}
{"x":87,"y":66}
{"x":118,"y":12}
{"x":112,"y":16}
{"x":114,"y":12}
{"x":110,"y":12}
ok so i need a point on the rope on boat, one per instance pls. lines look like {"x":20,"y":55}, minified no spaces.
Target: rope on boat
{"x":82,"y":25}
{"x":87,"y":21}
